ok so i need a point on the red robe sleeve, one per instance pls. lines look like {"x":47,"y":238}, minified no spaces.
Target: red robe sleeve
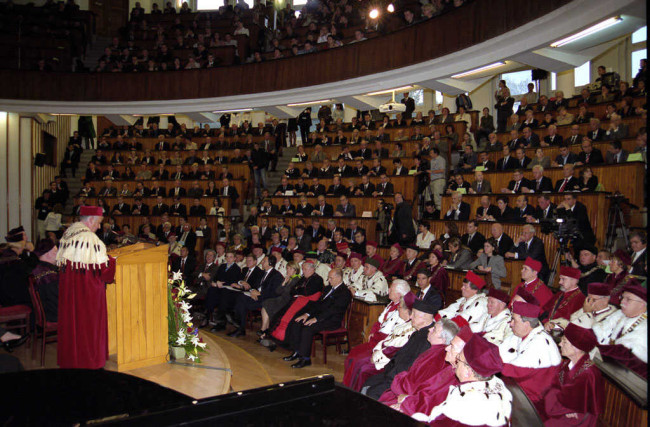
{"x":582,"y":395}
{"x":108,"y":272}
{"x":533,"y":381}
{"x":625,"y":357}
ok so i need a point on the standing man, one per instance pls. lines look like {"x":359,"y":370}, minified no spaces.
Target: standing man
{"x":85,"y":269}
{"x":410,"y":105}
{"x":403,"y":229}
{"x":437,"y":177}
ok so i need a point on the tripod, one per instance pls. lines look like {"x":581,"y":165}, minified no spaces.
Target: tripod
{"x":616,"y":220}
{"x":557,"y":261}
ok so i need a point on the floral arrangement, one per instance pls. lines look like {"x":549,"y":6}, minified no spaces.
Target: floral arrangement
{"x":182,"y":332}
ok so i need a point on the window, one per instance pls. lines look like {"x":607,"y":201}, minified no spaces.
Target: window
{"x":299,"y":3}
{"x":439,"y":99}
{"x":418,"y":96}
{"x":640,"y":35}
{"x":517,"y":82}
{"x":209,"y":4}
{"x":637,"y":56}
{"x":553,"y":81}
{"x":581,"y":74}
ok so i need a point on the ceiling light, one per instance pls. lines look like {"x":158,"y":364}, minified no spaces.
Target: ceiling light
{"x":322,"y":101}
{"x":591,"y":30}
{"x":237,"y":110}
{"x":374,"y":14}
{"x":390,"y":8}
{"x":397,"y":89}
{"x":478,"y":70}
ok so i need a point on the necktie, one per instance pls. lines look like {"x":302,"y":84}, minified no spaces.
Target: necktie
{"x":183,"y":264}
{"x":539,"y":182}
{"x":505,"y":160}
{"x":616,"y":159}
{"x":573,"y":139}
{"x":563,"y":185}
{"x":469,"y":239}
{"x":478,"y":187}
{"x":516,"y":186}
{"x":587,"y":157}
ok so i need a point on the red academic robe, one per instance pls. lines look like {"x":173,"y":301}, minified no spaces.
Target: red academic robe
{"x":440,"y":280}
{"x":83,"y":321}
{"x":578,"y":390}
{"x":377,"y":258}
{"x":363,"y":351}
{"x":392,"y":267}
{"x":539,"y":291}
{"x":572,"y":301}
{"x":616,"y":283}
{"x":533,"y":381}
{"x":426,"y":383}
{"x":297,"y":304}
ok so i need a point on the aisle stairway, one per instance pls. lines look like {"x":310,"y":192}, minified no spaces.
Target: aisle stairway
{"x":75,"y":184}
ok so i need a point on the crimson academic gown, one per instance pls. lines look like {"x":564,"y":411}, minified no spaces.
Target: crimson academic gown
{"x":538,"y":289}
{"x":361,"y":352}
{"x":426,"y":383}
{"x":571,"y":302}
{"x":577,"y":390}
{"x":83,"y":322}
{"x":392,"y":267}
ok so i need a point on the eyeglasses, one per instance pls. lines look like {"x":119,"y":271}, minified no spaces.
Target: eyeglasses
{"x":459,"y":360}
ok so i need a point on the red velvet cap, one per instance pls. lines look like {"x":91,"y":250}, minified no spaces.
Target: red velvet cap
{"x":499,"y":294}
{"x":527,"y":296}
{"x":91,"y":211}
{"x":483,"y":356}
{"x":475,"y":279}
{"x":581,"y":338}
{"x":525,"y":309}
{"x":637,"y":290}
{"x":309,"y":261}
{"x":438,"y":254}
{"x":623,"y":256}
{"x":399,"y":248}
{"x":571,"y":272}
{"x":355,"y":255}
{"x":409,"y":299}
{"x":598,"y":289}
{"x":341,"y":246}
{"x":534,"y":264}
{"x":257,"y":246}
{"x":372,"y":243}
{"x":298,"y":251}
{"x":276,"y":249}
{"x":465,"y":333}
{"x":460,"y":321}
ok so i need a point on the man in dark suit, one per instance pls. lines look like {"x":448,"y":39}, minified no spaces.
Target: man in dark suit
{"x":360,"y":169}
{"x":186,"y":264}
{"x":157,"y":190}
{"x":517,"y":183}
{"x":639,"y":244}
{"x":539,"y":183}
{"x":428,"y":293}
{"x":139,"y":208}
{"x":283,"y":187}
{"x":322,"y":208}
{"x":523,"y":209}
{"x":403,"y":230}
{"x":315,"y":230}
{"x":529,"y":245}
{"x":574,"y":137}
{"x":530,"y":138}
{"x":459,"y":210}
{"x":161,"y":144}
{"x":364,"y":152}
{"x":345,"y":208}
{"x":504,"y":242}
{"x":589,"y":155}
{"x":178,"y":208}
{"x":324,"y":314}
{"x":486,"y":209}
{"x":410,"y":104}
{"x":187,"y":237}
{"x":564,"y":157}
{"x":107,"y":235}
{"x":615,"y":153}
{"x":178,"y":190}
{"x":522,"y":160}
{"x":271,"y":279}
{"x":595,"y":132}
{"x":316,"y":188}
{"x":197,"y":209}
{"x":159,"y":208}
{"x":349,"y":233}
{"x":228,"y":190}
{"x":399,"y":169}
{"x":507,"y":162}
{"x":545,"y":209}
{"x":384,"y":188}
{"x":473,"y":239}
{"x":552,"y":139}
{"x":484,"y":161}
{"x":336,"y":189}
{"x":205,"y":232}
{"x":303,"y":240}
{"x":366,"y":188}
{"x":107,"y":191}
{"x":568,"y":182}
{"x":121,"y":208}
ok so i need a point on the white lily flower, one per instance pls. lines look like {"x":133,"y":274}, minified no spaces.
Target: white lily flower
{"x":177,"y":276}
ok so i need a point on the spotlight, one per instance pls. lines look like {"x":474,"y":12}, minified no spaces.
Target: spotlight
{"x":390,"y":8}
{"x":374,"y":14}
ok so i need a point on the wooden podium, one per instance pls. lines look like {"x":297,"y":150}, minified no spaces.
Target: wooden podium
{"x":137,"y":307}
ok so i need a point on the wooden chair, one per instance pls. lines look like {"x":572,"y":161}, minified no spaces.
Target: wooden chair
{"x":48,"y":330}
{"x":16,"y":317}
{"x":335,"y":336}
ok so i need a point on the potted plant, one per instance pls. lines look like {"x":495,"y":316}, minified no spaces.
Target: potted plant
{"x":184,"y":339}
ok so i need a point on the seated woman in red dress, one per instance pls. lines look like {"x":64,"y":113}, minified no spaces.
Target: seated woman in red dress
{"x":391,"y":316}
{"x":394,"y":267}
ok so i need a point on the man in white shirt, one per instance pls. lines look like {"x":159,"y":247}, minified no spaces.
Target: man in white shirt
{"x":495,"y":324}
{"x":472,"y":306}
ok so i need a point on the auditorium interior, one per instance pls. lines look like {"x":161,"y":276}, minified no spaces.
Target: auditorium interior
{"x":323,"y":212}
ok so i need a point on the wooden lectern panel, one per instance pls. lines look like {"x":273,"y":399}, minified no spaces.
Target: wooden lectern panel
{"x":137,"y":307}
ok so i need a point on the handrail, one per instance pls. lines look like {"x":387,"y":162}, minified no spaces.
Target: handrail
{"x":486,"y":19}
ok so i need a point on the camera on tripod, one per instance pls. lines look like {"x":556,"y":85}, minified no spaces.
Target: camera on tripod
{"x":564,"y":229}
